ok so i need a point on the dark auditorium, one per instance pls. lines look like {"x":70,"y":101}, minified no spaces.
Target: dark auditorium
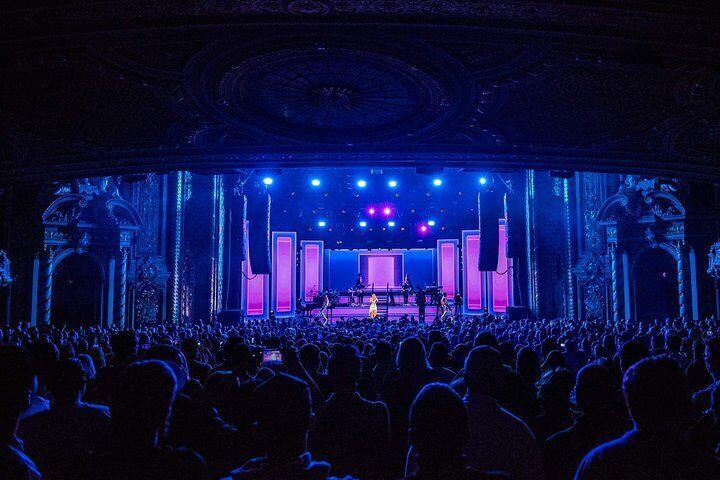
{"x":360,"y":240}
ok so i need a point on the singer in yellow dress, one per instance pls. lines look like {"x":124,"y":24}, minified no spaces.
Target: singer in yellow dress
{"x":373,"y":306}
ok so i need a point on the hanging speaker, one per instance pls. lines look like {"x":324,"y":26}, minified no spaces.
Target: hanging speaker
{"x":235,"y":252}
{"x":515,"y":217}
{"x":258,"y":235}
{"x":490,"y":211}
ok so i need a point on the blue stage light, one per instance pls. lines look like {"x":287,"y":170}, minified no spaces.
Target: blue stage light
{"x":322,"y":223}
{"x":363,"y":224}
{"x":437,"y":182}
{"x":315,"y":182}
{"x":268,"y":180}
{"x":431,"y":223}
{"x":391,"y":224}
{"x":361,"y":183}
{"x":483,"y":180}
{"x":392,"y":183}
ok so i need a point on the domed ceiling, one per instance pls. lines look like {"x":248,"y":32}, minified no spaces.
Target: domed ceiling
{"x":121,"y":87}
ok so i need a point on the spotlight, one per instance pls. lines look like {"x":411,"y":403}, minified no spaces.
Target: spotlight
{"x":315,"y":182}
{"x":371,"y":211}
{"x":423,"y":228}
{"x":268,"y":180}
{"x":391,"y":224}
{"x":392,"y":183}
{"x":322,"y":223}
{"x":387,"y":211}
{"x":361,"y":183}
{"x":483,"y":180}
{"x":363,"y":224}
{"x":437,"y":182}
{"x":431,"y":223}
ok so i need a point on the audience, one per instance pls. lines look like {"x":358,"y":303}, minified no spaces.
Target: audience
{"x":659,"y":403}
{"x":360,"y":398}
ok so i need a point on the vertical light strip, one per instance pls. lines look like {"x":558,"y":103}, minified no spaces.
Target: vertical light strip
{"x":473,"y":279}
{"x":447,"y":266}
{"x":177,"y":244}
{"x":284,"y":262}
{"x":311,"y":268}
{"x":502,"y":277}
{"x":255,"y":287}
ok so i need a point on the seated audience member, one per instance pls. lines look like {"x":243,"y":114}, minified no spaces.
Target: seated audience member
{"x":310,"y":358}
{"x":352,"y":433}
{"x":57,"y":438}
{"x":600,"y":422}
{"x":15,"y":389}
{"x":554,"y":389}
{"x":658,"y":400}
{"x":284,"y":414}
{"x":498,"y":441}
{"x":198,"y":369}
{"x":630,"y":353}
{"x":124,"y":347}
{"x":438,"y":431}
{"x":140,"y":406}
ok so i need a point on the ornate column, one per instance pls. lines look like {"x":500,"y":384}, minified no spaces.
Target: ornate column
{"x":617,"y":286}
{"x":120,"y":298}
{"x":684,"y":294}
{"x":569,"y":252}
{"x":47,"y":261}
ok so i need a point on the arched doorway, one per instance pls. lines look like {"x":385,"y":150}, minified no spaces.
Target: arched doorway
{"x":77,"y":292}
{"x":655,"y":284}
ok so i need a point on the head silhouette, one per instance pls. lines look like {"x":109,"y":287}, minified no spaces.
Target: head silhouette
{"x":16,"y":382}
{"x":438,"y":425}
{"x":68,"y":380}
{"x":411,"y":356}
{"x":345,"y":367}
{"x":283,"y":415}
{"x":484,"y":371}
{"x":657,"y":395}
{"x":142,"y":398}
{"x":594,"y":388}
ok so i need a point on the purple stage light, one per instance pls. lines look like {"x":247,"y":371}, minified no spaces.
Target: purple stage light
{"x":423,"y":228}
{"x":371,"y":211}
{"x":387,"y":211}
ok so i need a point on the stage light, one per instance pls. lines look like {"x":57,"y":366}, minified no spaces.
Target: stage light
{"x":322,"y":223}
{"x":387,"y":211}
{"x":361,"y":183}
{"x":423,"y":228}
{"x":437,"y":182}
{"x":371,"y":211}
{"x":483,"y":180}
{"x":315,"y":182}
{"x":268,"y":180}
{"x":363,"y":224}
{"x":391,"y":224}
{"x":431,"y":223}
{"x":392,"y":183}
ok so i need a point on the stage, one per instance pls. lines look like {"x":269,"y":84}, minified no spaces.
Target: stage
{"x":394,"y":311}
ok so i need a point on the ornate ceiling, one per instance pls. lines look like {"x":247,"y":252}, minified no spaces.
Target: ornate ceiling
{"x":121,"y":87}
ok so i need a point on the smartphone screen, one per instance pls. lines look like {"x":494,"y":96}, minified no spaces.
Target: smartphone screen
{"x":272,"y":357}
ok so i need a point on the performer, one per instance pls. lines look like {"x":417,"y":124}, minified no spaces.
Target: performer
{"x":324,"y":308}
{"x":359,"y":288}
{"x":445,"y":310}
{"x":406,"y":288}
{"x":373,"y":306}
{"x":420,"y":300}
{"x":458,"y":303}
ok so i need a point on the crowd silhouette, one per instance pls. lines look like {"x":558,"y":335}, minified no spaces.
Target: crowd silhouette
{"x":478,"y":397}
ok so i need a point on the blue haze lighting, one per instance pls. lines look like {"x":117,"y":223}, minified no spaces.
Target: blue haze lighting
{"x":392,"y":183}
{"x":315,"y":182}
{"x":361,"y":183}
{"x":268,"y":180}
{"x":483,"y":180}
{"x":437,"y":182}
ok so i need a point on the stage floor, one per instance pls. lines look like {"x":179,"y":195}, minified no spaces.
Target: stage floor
{"x":394,"y":311}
